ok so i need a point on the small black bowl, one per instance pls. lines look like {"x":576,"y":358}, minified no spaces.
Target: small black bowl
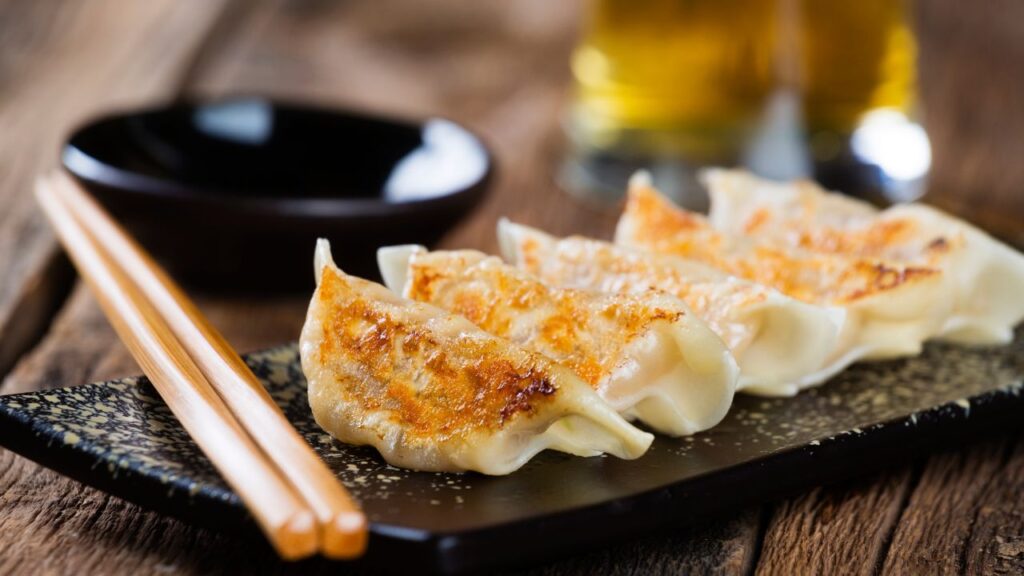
{"x":231,"y":194}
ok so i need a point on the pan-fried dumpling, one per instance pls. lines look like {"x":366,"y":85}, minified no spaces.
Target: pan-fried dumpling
{"x":780,"y":344}
{"x":987,"y":275}
{"x":891,"y":308}
{"x":431,"y":391}
{"x":647,"y":355}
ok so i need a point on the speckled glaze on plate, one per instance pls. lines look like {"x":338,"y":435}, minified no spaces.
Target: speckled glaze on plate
{"x":120,"y":437}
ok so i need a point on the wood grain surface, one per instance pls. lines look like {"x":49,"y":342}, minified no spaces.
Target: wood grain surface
{"x":501,"y":68}
{"x":64,"y":61}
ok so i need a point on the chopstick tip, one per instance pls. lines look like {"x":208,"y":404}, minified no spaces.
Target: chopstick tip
{"x":345,"y":537}
{"x":297,"y":537}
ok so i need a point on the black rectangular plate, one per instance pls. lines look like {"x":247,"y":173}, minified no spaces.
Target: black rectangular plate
{"x":119,"y":436}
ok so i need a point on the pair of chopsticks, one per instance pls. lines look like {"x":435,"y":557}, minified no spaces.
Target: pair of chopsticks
{"x":297,"y":502}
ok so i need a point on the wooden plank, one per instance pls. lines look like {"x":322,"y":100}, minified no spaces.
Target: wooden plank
{"x":723,"y":546}
{"x":81,"y":347}
{"x":996,"y":545}
{"x":54,"y":525}
{"x":961,"y":513}
{"x":965,"y":515}
{"x":63,"y":61}
{"x":842,"y":529}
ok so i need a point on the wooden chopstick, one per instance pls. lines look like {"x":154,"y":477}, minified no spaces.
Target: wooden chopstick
{"x":343,"y":526}
{"x":284,"y":517}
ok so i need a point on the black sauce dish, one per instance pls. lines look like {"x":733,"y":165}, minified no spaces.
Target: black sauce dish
{"x":232,"y":194}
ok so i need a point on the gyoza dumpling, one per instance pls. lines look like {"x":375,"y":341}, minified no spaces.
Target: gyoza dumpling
{"x":891,"y":308}
{"x":780,"y":344}
{"x":647,"y":355}
{"x":431,"y":391}
{"x":987,"y":275}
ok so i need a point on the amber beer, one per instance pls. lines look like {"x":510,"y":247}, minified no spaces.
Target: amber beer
{"x":691,"y":78}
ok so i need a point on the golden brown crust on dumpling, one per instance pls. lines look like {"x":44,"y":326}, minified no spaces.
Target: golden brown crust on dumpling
{"x":802,"y":214}
{"x":476,"y":384}
{"x":493,"y":296}
{"x":576,"y":258}
{"x":878,"y":238}
{"x":432,"y":391}
{"x":658,"y":225}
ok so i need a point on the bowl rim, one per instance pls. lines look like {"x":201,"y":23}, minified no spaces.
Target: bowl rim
{"x":129,"y":184}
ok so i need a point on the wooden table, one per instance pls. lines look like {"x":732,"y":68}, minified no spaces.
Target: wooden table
{"x":501,"y":68}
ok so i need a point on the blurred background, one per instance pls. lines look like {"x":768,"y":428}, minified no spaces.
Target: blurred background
{"x":570,"y":96}
{"x":781,"y":86}
{"x":581,"y":93}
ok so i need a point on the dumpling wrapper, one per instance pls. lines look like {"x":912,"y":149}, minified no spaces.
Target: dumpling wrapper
{"x":647,"y":355}
{"x":988,"y":276}
{"x":431,"y":391}
{"x":780,"y":344}
{"x":891,"y":308}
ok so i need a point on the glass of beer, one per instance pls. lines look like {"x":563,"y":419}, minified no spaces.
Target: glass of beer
{"x":785,"y":87}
